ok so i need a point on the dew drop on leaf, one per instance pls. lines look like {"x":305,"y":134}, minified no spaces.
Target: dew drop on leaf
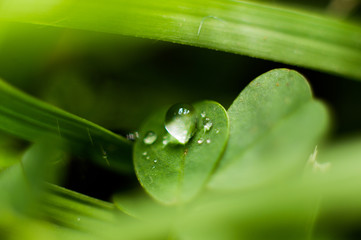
{"x":208,"y":141}
{"x":180,"y":122}
{"x":207,"y":125}
{"x":165,"y":140}
{"x":150,"y":138}
{"x":200,"y":141}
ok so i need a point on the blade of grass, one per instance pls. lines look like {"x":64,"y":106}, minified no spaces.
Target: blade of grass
{"x":253,"y":29}
{"x":54,"y":190}
{"x":98,"y":218}
{"x":73,"y":209}
{"x":31,"y":119}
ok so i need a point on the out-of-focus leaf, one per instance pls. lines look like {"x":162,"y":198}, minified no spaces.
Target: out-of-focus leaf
{"x":274,"y":125}
{"x":44,"y":161}
{"x":139,"y":205}
{"x":15,"y":195}
{"x":9,"y":153}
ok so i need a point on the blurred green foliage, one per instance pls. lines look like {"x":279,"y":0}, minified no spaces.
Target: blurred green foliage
{"x":117,"y":82}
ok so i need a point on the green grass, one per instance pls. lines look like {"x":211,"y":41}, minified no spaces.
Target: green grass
{"x":81,"y":76}
{"x":249,"y":28}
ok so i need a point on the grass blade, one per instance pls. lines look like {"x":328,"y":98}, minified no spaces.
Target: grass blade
{"x":74,"y":209}
{"x":253,"y":29}
{"x":31,"y":119}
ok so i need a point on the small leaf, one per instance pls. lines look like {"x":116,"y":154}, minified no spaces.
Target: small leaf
{"x":173,"y":172}
{"x":34,"y":120}
{"x":274,"y":126}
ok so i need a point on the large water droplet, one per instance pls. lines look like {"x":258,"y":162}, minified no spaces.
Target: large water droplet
{"x":150,"y":138}
{"x":180,"y":122}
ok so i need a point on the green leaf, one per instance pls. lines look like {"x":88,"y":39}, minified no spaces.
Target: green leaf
{"x":274,"y":126}
{"x":174,"y":173}
{"x":253,"y":29}
{"x":14,"y":194}
{"x":139,"y":205}
{"x":9,"y":154}
{"x":44,"y":161}
{"x":337,"y":152}
{"x":33,"y":120}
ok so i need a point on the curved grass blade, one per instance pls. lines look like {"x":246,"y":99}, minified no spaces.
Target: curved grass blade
{"x":175,"y":173}
{"x":274,"y":126}
{"x":74,"y":210}
{"x":33,"y":120}
{"x":248,"y":28}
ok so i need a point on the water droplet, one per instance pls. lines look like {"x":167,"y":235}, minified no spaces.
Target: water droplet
{"x":200,"y":141}
{"x":145,"y":153}
{"x":203,"y":114}
{"x":147,"y":157}
{"x":132,"y":136}
{"x":217,"y":131}
{"x":208,"y":141}
{"x":155,"y":161}
{"x":165,"y":140}
{"x":153,"y":167}
{"x":150,"y":138}
{"x":180,"y":122}
{"x":207,"y":126}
